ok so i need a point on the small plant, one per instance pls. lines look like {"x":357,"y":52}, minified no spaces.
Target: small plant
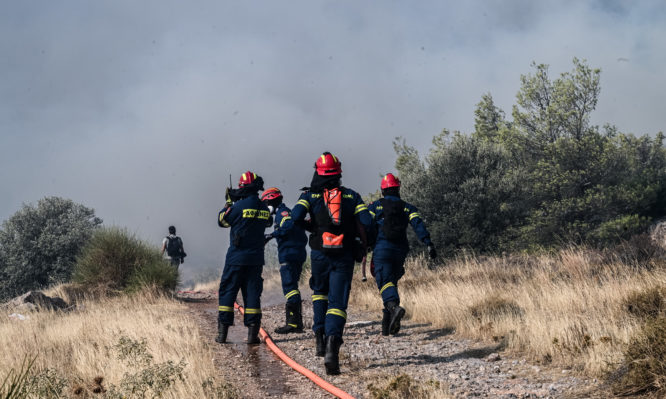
{"x":223,"y":390}
{"x":494,"y":308}
{"x":644,"y":369}
{"x":645,"y":304}
{"x":133,"y":352}
{"x":48,"y":384}
{"x":404,"y":386}
{"x":149,"y":380}
{"x":15,"y":382}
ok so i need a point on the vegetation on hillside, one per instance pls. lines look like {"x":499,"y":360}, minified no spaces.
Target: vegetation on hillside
{"x":546,"y":179}
{"x":39,"y":244}
{"x":133,"y":346}
{"x":115,"y":259}
{"x":589,"y":310}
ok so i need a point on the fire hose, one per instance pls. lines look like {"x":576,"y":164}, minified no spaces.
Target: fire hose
{"x":292,"y":363}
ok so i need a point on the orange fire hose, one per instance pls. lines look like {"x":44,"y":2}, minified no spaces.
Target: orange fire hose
{"x":292,"y":363}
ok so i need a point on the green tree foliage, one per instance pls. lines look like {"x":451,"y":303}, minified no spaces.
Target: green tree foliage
{"x":545,"y":179}
{"x":39,"y":244}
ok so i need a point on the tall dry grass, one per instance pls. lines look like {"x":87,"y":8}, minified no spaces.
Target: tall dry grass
{"x":84,"y":345}
{"x":568,"y":308}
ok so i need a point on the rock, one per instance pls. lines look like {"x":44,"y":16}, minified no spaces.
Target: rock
{"x":453,"y":376}
{"x":36,"y":300}
{"x":493,"y":357}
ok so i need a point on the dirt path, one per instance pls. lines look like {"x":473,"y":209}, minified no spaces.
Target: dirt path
{"x":429,"y":356}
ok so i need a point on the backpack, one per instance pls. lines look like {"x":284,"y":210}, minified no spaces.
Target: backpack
{"x":395,"y":220}
{"x":174,"y":247}
{"x":329,"y":235}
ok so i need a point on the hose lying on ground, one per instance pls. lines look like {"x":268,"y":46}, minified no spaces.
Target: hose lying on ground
{"x":292,"y":363}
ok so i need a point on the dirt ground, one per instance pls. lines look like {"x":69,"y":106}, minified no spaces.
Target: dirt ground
{"x":462,"y":368}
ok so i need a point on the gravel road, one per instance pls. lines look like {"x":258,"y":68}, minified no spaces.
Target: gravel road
{"x":461,"y":367}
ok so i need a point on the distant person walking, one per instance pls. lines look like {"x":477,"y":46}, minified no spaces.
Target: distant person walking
{"x":247,"y":217}
{"x":392,"y":216}
{"x":172,"y":248}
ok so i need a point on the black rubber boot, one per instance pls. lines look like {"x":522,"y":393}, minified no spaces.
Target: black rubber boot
{"x":253,"y":334}
{"x":386,"y":321}
{"x":321,"y":343}
{"x":332,"y":359}
{"x":396,"y":312}
{"x":222,"y":330}
{"x":294,"y":319}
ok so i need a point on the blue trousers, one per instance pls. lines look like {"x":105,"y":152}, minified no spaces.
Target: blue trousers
{"x":330,"y":283}
{"x":291,"y":274}
{"x":248,"y":279}
{"x":389,"y":268}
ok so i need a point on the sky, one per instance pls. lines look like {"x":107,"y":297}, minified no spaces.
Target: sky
{"x":142,"y":109}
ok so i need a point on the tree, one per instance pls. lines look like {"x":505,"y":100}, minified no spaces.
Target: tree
{"x":547,"y":110}
{"x":39,"y":244}
{"x":545,"y":179}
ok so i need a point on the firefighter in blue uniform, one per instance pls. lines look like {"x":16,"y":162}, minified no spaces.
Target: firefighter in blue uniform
{"x":248,"y":217}
{"x":291,"y":242}
{"x":338,"y":218}
{"x":392,"y":216}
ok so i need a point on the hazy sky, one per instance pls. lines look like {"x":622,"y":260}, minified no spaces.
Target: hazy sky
{"x":141,"y":109}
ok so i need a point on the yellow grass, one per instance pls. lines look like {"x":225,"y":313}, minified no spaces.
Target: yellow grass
{"x":569,"y":305}
{"x":82,"y":345}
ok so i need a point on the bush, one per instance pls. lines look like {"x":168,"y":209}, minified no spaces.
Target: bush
{"x":645,"y":361}
{"x":39,"y":244}
{"x":646,"y":304}
{"x":116,"y":259}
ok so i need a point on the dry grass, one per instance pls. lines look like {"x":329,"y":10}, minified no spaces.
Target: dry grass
{"x":82,"y":347}
{"x":568,"y":308}
{"x":404,"y":386}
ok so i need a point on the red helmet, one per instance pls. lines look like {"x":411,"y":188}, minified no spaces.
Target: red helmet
{"x":328,"y":165}
{"x":247,"y":178}
{"x":390,"y":181}
{"x":271,"y":194}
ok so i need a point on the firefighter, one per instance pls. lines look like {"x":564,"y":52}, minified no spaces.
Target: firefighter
{"x":291,"y":241}
{"x":338,"y":217}
{"x":392,"y":216}
{"x":248,"y":217}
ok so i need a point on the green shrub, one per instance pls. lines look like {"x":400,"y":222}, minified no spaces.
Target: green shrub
{"x":116,"y":259}
{"x":647,"y":303}
{"x":39,"y":244}
{"x":160,"y":275}
{"x":644,"y":368}
{"x":145,"y":378}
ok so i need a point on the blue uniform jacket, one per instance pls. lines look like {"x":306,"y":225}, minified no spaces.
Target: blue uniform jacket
{"x":415,"y":220}
{"x":352,"y":204}
{"x":291,"y":239}
{"x":248,"y":218}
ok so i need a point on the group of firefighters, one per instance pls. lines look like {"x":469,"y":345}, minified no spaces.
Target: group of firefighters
{"x":342,"y":230}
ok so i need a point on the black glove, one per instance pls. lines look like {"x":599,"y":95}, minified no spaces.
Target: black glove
{"x":267,"y":238}
{"x":432,"y":252}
